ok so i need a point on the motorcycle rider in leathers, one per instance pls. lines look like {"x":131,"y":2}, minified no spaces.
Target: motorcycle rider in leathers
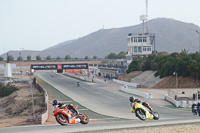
{"x":133,"y":100}
{"x":69,"y":106}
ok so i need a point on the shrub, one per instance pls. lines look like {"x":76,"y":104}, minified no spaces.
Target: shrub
{"x":6,"y":90}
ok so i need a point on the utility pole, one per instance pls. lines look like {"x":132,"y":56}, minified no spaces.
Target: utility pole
{"x":20,"y":59}
{"x":176,"y":75}
{"x":147,"y":17}
{"x":199,"y":40}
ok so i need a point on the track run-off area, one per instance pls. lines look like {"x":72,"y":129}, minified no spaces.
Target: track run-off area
{"x":106,"y":108}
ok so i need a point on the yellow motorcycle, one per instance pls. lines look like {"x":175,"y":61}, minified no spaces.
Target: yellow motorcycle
{"x":143,"y":111}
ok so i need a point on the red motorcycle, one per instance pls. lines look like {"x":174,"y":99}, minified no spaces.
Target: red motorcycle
{"x":65,"y":115}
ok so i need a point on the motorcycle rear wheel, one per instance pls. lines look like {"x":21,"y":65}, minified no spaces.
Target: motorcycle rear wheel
{"x":84,"y":118}
{"x":155,"y":115}
{"x":140,"y":114}
{"x":62,"y":119}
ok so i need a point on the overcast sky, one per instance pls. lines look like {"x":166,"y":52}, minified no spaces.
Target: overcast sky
{"x":39,"y":24}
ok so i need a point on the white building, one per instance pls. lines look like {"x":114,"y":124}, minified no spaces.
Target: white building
{"x":140,"y":44}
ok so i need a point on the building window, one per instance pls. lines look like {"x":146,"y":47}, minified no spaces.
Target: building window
{"x":144,"y":48}
{"x":149,"y":48}
{"x":135,"y":49}
{"x":140,"y":49}
{"x":140,"y":39}
{"x":144,"y":39}
{"x":131,"y":39}
{"x":135,"y":39}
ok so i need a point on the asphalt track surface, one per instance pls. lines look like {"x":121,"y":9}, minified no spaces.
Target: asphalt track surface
{"x":95,"y":97}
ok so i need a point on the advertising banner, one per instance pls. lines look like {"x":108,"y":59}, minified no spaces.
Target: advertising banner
{"x":59,"y":66}
{"x":44,"y":67}
{"x":75,"y":66}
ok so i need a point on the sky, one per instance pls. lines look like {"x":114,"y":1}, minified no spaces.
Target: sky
{"x":39,"y":24}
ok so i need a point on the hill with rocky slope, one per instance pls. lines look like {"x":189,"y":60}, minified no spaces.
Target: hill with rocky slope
{"x":171,"y":36}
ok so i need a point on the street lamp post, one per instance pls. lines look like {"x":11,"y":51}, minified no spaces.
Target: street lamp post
{"x":199,"y":40}
{"x":20,"y":59}
{"x":176,"y":74}
{"x":198,"y":32}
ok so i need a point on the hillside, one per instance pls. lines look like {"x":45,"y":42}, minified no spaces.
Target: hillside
{"x":171,"y":36}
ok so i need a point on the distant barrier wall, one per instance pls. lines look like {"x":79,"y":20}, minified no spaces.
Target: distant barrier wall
{"x":181,"y":103}
{"x":136,"y":92}
{"x":127,"y":83}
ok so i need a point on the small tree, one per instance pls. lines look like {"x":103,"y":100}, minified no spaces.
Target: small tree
{"x":29,"y":58}
{"x":1,"y":58}
{"x":19,"y":58}
{"x":67,"y":57}
{"x":94,"y":57}
{"x":58,"y":58}
{"x":38,"y":58}
{"x":135,"y":65}
{"x":76,"y":58}
{"x":112,"y":56}
{"x":48,"y":57}
{"x":11,"y":58}
{"x":86,"y":57}
{"x":121,"y":55}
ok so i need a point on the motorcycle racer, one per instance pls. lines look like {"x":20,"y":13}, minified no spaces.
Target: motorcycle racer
{"x":69,"y":106}
{"x":133,"y":100}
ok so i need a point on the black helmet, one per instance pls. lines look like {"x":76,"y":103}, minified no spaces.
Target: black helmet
{"x":131,"y":99}
{"x":55,"y":102}
{"x":70,"y":106}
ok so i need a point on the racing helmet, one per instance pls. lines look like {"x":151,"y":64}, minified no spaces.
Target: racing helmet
{"x":70,"y":105}
{"x":132,"y":99}
{"x":145,"y":103}
{"x":55,"y":102}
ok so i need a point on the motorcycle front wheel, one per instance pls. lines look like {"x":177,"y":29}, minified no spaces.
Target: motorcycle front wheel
{"x":140,"y":114}
{"x":61,"y":119}
{"x":155,"y":115}
{"x":84,"y":118}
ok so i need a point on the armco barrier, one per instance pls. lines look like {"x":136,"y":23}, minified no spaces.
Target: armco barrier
{"x":127,"y":83}
{"x":136,"y":92}
{"x":44,"y":116}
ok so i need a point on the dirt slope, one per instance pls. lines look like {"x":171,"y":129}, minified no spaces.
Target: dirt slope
{"x":17,"y":107}
{"x":170,"y":82}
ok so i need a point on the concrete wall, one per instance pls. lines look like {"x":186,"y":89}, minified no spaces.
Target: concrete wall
{"x":146,"y":79}
{"x":170,"y":99}
{"x":127,"y":83}
{"x":44,"y":116}
{"x":136,"y":92}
